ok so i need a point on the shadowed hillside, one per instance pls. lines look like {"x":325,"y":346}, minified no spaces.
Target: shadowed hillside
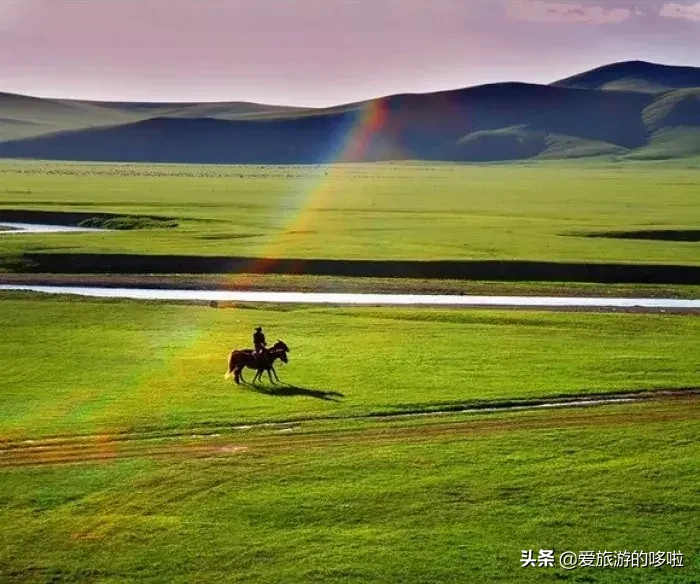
{"x":635,"y":75}
{"x":506,"y":121}
{"x":454,"y":125}
{"x":223,"y":110}
{"x":199,"y":140}
{"x":24,"y":116}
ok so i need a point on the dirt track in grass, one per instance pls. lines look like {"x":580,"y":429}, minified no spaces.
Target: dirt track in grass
{"x":267,"y":438}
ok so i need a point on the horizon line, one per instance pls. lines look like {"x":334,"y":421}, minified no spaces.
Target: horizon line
{"x":333,"y":105}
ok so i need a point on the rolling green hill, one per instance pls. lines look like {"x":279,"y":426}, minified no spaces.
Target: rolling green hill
{"x":673,"y":120}
{"x":673,"y":109}
{"x":634,"y":109}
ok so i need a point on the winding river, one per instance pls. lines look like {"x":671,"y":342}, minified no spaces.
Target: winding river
{"x":360,"y":299}
{"x":9,"y":228}
{"x":24,"y":228}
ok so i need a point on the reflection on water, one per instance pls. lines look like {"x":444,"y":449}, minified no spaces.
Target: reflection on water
{"x":14,"y":228}
{"x":357,"y":299}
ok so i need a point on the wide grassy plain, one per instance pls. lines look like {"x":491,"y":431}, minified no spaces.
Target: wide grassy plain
{"x":368,"y":211}
{"x":427,"y":502}
{"x":122,"y":452}
{"x":121,"y":462}
{"x":85,"y":366}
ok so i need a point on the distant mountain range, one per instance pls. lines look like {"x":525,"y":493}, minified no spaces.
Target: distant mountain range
{"x":633,"y":109}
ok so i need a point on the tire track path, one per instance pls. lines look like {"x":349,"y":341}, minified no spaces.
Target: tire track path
{"x":220,"y":441}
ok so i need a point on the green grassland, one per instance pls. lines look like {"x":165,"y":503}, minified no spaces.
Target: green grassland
{"x":367,"y":211}
{"x":121,"y":459}
{"x":121,"y":455}
{"x":72,"y":366}
{"x":431,"y":501}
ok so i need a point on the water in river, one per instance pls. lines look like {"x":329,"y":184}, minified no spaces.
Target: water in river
{"x":20,"y":228}
{"x":359,"y":299}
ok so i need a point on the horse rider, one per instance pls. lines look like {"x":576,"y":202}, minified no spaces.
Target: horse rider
{"x":259,"y":340}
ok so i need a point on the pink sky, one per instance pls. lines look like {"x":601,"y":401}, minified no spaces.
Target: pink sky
{"x":323,"y":52}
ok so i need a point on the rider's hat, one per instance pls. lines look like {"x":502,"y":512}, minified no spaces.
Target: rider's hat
{"x":259,"y":328}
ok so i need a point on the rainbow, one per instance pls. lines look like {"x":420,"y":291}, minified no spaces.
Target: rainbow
{"x":367,"y":135}
{"x":358,"y":139}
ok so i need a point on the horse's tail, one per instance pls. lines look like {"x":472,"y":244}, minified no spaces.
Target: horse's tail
{"x":230,"y":366}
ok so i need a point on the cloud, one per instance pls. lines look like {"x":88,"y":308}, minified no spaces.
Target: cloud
{"x":682,"y":11}
{"x":560,"y":12}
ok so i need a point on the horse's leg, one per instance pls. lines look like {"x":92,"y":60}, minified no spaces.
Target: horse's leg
{"x":270,"y":375}
{"x":229,"y":370}
{"x":275,"y":373}
{"x":240,"y":374}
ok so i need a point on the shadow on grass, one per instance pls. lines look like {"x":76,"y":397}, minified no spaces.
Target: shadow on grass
{"x":286,"y":390}
{"x":692,"y":235}
{"x":499,"y":270}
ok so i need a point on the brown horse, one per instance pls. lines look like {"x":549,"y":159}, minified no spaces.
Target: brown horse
{"x":261,"y":362}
